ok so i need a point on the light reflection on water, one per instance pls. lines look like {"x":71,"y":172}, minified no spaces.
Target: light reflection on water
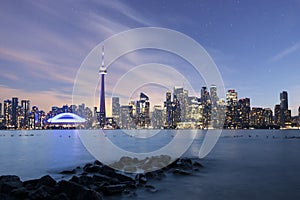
{"x":260,"y":164}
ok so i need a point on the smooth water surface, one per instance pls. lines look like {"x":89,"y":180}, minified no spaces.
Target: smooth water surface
{"x":245,"y":164}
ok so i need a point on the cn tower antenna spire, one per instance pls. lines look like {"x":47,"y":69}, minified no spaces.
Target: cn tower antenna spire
{"x":102,"y":113}
{"x":103,"y":56}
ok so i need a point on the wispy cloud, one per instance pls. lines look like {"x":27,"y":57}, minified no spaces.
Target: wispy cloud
{"x":285,"y":53}
{"x":44,"y":99}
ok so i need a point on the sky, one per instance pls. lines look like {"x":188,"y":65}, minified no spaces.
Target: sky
{"x":255,"y":45}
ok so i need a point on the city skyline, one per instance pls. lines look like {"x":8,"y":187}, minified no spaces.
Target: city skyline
{"x":255,"y":44}
{"x":178,"y":110}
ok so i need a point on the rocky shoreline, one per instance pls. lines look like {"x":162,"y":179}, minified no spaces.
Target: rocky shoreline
{"x":96,"y":180}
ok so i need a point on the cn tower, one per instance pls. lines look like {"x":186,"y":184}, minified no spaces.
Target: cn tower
{"x":102,"y":113}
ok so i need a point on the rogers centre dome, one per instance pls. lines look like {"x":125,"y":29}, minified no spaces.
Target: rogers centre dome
{"x":66,"y":118}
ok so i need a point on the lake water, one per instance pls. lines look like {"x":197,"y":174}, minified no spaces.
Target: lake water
{"x":245,"y":164}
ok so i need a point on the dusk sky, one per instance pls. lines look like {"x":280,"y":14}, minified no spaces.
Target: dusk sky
{"x":255,"y":44}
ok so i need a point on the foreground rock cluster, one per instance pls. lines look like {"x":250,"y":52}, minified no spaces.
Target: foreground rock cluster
{"x":95,"y":180}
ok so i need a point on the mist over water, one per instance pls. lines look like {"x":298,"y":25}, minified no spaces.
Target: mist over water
{"x":245,"y":164}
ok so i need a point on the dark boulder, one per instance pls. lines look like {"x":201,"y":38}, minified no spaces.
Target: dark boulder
{"x":47,"y":181}
{"x":9,"y":183}
{"x":92,"y":169}
{"x":19,"y":193}
{"x":113,"y":189}
{"x":61,"y":196}
{"x":101,"y":178}
{"x":68,"y":172}
{"x":43,"y":192}
{"x":97,"y":162}
{"x":77,"y":192}
{"x":141,"y":179}
{"x":181,"y":172}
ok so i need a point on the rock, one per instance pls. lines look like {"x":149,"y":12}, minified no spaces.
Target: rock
{"x":74,"y":179}
{"x":113,"y":189}
{"x":126,"y":160}
{"x":101,"y":178}
{"x":20,"y":193}
{"x":9,"y":183}
{"x":30,"y":184}
{"x":174,"y":164}
{"x":9,"y":178}
{"x":5,"y":197}
{"x":97,"y":162}
{"x":87,"y":165}
{"x":130,"y":169}
{"x":117,"y":165}
{"x":77,"y":192}
{"x":181,"y":172}
{"x":141,"y":179}
{"x":108,"y":171}
{"x":124,"y":178}
{"x":47,"y":181}
{"x":68,"y":172}
{"x":165,"y":159}
{"x":40,"y":193}
{"x":92,"y":169}
{"x":61,"y":196}
{"x":197,"y":164}
{"x":85,"y":180}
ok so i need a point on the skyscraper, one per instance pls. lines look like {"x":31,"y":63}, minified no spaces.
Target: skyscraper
{"x":157,"y":117}
{"x":284,"y":100}
{"x":277,"y":115}
{"x":182,"y":97}
{"x":285,"y":113}
{"x":213,"y":93}
{"x":26,"y":106}
{"x":231,"y":120}
{"x":7,"y":113}
{"x":143,"y":111}
{"x":168,"y":106}
{"x":243,"y":111}
{"x":102,"y":113}
{"x":115,"y":106}
{"x":14,"y":115}
{"x":206,"y":103}
{"x":231,"y":96}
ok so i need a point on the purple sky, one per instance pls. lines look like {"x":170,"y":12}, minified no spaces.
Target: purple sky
{"x":255,"y":44}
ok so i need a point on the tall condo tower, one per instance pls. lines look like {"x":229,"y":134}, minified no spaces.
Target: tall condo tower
{"x":102,"y":113}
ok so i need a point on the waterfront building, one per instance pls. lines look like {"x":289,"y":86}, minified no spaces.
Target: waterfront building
{"x":277,"y":115}
{"x":7,"y":108}
{"x":243,"y":112}
{"x":268,"y":118}
{"x":206,"y":103}
{"x":168,"y":106}
{"x":232,"y":119}
{"x":14,"y":107}
{"x":256,"y":117}
{"x":143,"y":111}
{"x":157,"y":118}
{"x":182,"y":98}
{"x":231,"y":97}
{"x":116,"y":109}
{"x":25,"y":105}
{"x":126,"y":121}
